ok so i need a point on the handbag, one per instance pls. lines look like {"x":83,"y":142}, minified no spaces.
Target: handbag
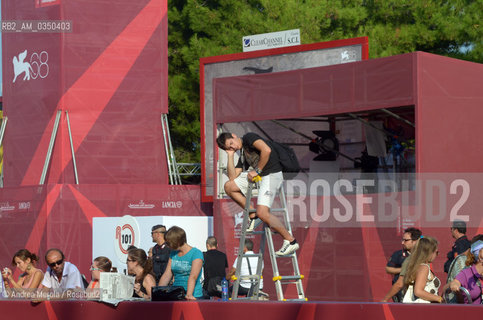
{"x":168,"y":293}
{"x":409,"y":297}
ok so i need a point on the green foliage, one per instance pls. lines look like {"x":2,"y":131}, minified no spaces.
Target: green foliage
{"x":207,"y":28}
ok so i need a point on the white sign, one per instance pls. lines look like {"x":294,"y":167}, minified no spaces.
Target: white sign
{"x":108,"y":234}
{"x":271,"y":40}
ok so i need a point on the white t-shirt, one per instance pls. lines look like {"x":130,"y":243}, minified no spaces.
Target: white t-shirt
{"x":71,"y":278}
{"x":244,"y":271}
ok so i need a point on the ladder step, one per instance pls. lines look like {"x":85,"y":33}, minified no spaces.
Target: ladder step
{"x":247,"y":298}
{"x":256,"y":232}
{"x":299,"y":277}
{"x":277,"y":209}
{"x":253,"y":276}
{"x":251,"y":255}
{"x":301,"y":299}
{"x":290,"y":282}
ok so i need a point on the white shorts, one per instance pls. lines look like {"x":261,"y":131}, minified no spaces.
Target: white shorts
{"x":268,"y":186}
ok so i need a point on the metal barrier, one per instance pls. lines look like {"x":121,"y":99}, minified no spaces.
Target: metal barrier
{"x":452,"y":297}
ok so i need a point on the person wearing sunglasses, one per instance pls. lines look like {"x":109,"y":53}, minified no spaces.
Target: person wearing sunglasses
{"x":422,"y":285}
{"x":139,"y":266}
{"x":99,"y":264}
{"x":394,"y":265}
{"x":160,"y":252}
{"x":461,"y":244}
{"x":60,"y":274}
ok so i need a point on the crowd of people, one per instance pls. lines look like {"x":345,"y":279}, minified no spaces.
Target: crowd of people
{"x":172,"y":261}
{"x":414,"y":279}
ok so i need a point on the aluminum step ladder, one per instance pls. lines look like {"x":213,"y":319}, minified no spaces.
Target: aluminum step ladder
{"x":266,"y":238}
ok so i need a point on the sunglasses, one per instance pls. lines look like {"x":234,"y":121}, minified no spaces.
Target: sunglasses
{"x":57,"y":263}
{"x":153,"y":232}
{"x":130,"y":260}
{"x":404,"y":240}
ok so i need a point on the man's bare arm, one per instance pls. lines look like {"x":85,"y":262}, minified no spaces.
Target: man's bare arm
{"x":230,"y":166}
{"x":265,"y":151}
{"x":398,"y":285}
{"x":392,"y":270}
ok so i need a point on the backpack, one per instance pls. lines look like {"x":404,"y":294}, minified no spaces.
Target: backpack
{"x":288,"y":160}
{"x":213,"y":286}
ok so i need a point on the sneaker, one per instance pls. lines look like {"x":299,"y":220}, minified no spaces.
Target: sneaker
{"x":287,"y":248}
{"x":251,"y":225}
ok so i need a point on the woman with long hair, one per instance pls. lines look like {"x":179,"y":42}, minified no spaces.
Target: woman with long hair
{"x":422,"y":285}
{"x":141,"y":267}
{"x":30,"y":278}
{"x":185,"y":263}
{"x":99,"y":264}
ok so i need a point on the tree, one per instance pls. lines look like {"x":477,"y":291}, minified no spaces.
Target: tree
{"x":206,"y":28}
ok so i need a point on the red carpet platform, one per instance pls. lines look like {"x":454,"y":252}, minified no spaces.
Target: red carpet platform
{"x":73,"y":310}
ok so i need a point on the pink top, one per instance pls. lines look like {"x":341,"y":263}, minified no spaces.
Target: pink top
{"x":27,"y":285}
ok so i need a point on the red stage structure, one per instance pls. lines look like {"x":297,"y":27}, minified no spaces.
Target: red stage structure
{"x":109,"y":75}
{"x":443,"y":97}
{"x":97,"y":93}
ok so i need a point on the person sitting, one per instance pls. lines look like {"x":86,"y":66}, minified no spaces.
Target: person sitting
{"x":248,"y":267}
{"x":471,"y":278}
{"x":31,"y":277}
{"x":185,"y":263}
{"x":459,"y":263}
{"x":60,"y":274}
{"x":213,"y":268}
{"x":99,"y":264}
{"x":422,"y":284}
{"x":141,"y":267}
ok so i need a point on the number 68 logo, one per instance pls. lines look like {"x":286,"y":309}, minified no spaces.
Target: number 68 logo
{"x":39,"y":65}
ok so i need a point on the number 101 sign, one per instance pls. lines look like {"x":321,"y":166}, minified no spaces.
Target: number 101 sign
{"x":127,"y":234}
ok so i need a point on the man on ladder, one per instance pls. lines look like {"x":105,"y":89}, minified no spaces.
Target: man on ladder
{"x":258,"y":155}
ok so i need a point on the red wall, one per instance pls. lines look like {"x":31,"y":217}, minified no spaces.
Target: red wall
{"x":110,"y":74}
{"x":234,"y":310}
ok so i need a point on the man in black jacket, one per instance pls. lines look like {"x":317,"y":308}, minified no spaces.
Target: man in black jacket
{"x":458,"y":232}
{"x":161,"y":251}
